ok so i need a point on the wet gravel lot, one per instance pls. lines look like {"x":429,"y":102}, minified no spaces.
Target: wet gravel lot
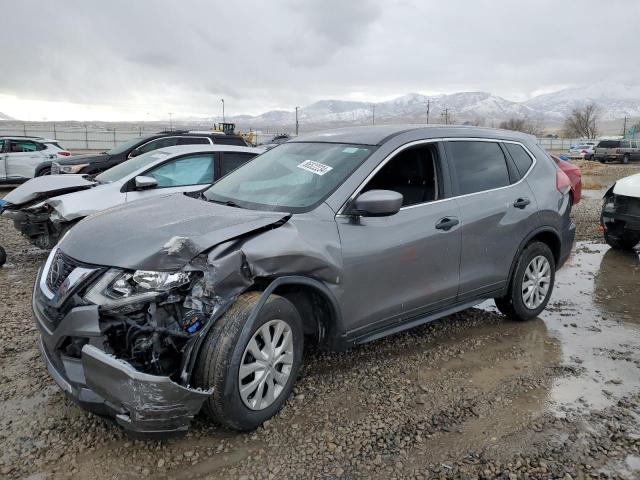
{"x":473,"y":395}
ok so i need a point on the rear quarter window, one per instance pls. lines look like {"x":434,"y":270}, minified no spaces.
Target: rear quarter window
{"x":520,"y":157}
{"x":478,"y":166}
{"x":609,"y":144}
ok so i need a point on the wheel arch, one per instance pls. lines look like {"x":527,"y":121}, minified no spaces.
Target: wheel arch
{"x":316,"y":304}
{"x":546,"y":235}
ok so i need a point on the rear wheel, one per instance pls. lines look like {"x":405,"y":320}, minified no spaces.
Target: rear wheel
{"x":531,"y":284}
{"x":3,"y":256}
{"x":625,"y":158}
{"x":251,"y":364}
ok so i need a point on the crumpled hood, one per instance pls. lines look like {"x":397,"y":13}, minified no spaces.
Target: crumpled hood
{"x":628,"y":186}
{"x":160,"y":233}
{"x":47,"y":186}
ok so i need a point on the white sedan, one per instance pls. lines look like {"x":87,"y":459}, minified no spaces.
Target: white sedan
{"x":44,"y":208}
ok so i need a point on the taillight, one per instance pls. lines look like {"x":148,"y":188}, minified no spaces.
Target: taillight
{"x":583,"y":151}
{"x":63,"y":153}
{"x":563,"y":184}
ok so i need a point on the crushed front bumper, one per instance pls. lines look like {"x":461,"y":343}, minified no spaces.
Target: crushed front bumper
{"x":623,"y":214}
{"x":139,"y":402}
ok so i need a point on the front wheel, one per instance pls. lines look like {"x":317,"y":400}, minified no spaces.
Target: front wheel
{"x":625,"y":159}
{"x":252,"y":370}
{"x":44,"y":171}
{"x":531,"y":284}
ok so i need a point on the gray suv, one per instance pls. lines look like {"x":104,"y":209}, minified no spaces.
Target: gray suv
{"x":153,"y":311}
{"x":617,"y":151}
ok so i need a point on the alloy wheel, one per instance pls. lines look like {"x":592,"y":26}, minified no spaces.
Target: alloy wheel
{"x":266,"y":365}
{"x":536,"y":282}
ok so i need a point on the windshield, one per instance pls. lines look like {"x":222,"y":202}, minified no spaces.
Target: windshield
{"x":126,"y":168}
{"x":123,"y":147}
{"x":293,"y":177}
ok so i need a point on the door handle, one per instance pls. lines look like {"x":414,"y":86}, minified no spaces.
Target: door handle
{"x":447,"y":223}
{"x":521,"y":203}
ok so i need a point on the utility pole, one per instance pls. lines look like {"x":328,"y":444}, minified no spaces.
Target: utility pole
{"x":297,"y":108}
{"x":445,"y":114}
{"x":170,"y":121}
{"x":373,"y":113}
{"x":624,"y":127}
{"x":222,"y":100}
{"x":428,"y":108}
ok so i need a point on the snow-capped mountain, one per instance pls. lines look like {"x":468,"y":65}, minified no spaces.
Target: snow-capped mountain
{"x":614,"y":101}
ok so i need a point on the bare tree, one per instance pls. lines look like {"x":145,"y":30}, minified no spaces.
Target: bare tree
{"x":524,"y":125}
{"x":582,"y":122}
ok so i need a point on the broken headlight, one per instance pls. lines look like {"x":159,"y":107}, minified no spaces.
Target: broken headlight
{"x":162,"y":281}
{"x":118,"y":288}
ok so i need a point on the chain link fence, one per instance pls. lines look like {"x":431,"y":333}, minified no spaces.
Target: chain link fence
{"x":86,"y":137}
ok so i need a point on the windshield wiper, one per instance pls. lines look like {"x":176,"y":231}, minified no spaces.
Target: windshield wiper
{"x":228,"y":203}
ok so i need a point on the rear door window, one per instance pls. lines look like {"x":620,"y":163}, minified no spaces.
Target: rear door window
{"x":478,"y":166}
{"x":625,"y":144}
{"x":184,"y":171}
{"x":233,"y":160}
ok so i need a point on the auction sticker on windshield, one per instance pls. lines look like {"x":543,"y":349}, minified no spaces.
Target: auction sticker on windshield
{"x":315,"y":167}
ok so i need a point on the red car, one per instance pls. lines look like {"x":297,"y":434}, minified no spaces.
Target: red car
{"x":575,"y":176}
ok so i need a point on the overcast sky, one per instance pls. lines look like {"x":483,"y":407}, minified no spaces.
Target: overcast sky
{"x":126,"y":59}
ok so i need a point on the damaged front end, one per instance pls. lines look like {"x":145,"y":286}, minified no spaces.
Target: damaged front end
{"x":38,"y":222}
{"x":31,"y":207}
{"x":620,"y":214}
{"x":120,"y":342}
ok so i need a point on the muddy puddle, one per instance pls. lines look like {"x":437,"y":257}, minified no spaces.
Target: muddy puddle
{"x":595,"y":314}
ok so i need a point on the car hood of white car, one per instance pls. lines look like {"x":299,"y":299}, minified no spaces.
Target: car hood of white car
{"x":47,"y":186}
{"x":72,"y":206}
{"x":628,"y":186}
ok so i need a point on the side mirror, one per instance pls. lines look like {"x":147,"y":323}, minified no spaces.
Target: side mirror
{"x":134,"y":153}
{"x":378,"y":203}
{"x":145,"y":183}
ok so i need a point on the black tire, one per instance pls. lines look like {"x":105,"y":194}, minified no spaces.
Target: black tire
{"x":44,"y":171}
{"x":626,"y":242}
{"x":602,"y":160}
{"x":219,"y":360}
{"x":3,"y":256}
{"x":512,"y":304}
{"x":625,"y":158}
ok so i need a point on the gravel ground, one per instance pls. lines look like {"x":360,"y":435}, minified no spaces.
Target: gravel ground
{"x":469,"y":396}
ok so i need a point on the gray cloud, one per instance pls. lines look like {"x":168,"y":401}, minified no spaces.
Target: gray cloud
{"x":162,"y":55}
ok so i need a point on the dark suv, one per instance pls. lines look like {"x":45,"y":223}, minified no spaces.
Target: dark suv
{"x":335,"y":238}
{"x":94,"y":164}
